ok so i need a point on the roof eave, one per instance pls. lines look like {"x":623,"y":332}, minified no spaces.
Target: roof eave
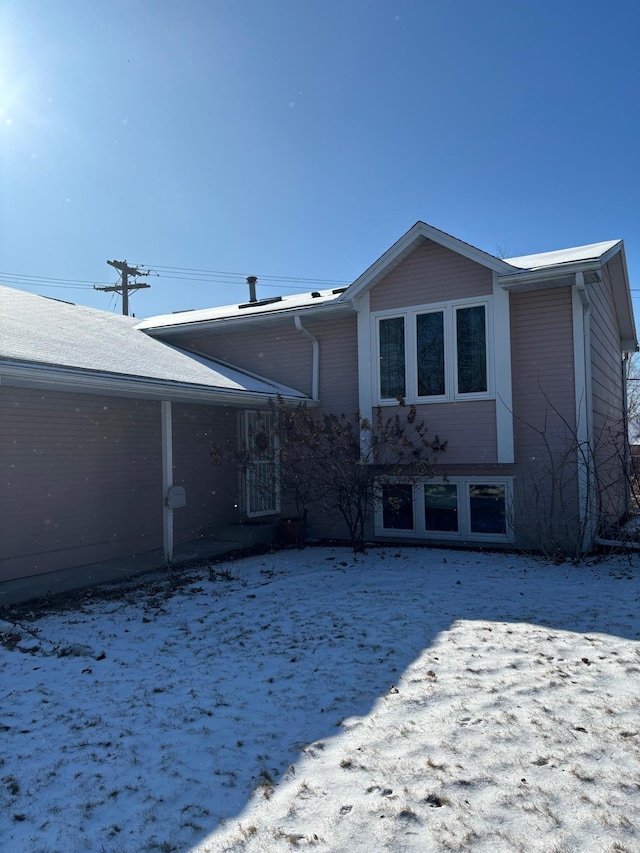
{"x":58,"y":378}
{"x":245,"y":320}
{"x":511,"y":281}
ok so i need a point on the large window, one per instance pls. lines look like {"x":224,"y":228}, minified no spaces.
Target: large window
{"x":261,"y":487}
{"x":435,"y":353}
{"x":456,"y":508}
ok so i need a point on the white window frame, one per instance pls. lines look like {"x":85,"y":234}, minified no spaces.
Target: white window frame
{"x":464,"y":532}
{"x":410,"y":315}
{"x":249,"y":480}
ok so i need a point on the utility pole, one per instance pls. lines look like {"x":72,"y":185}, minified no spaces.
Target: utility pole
{"x":124,"y":287}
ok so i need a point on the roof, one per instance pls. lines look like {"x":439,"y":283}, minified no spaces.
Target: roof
{"x":592,"y":252}
{"x":51,"y":336}
{"x":263,"y":308}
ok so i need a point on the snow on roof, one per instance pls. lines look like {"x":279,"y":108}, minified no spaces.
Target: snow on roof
{"x":297,"y":301}
{"x":562,"y":256}
{"x":40,"y":330}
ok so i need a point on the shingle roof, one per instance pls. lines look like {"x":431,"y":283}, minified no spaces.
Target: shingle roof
{"x":37,"y":330}
{"x":245,"y":311}
{"x":562,"y":256}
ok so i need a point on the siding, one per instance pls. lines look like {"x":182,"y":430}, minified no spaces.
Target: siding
{"x":275,"y":351}
{"x":281,"y":353}
{"x":81,"y":480}
{"x":211,"y":491}
{"x":431,"y":273}
{"x":544,"y":418}
{"x":469,"y":428}
{"x":609,"y":426}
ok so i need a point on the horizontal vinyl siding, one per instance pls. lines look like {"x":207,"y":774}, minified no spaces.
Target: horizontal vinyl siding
{"x":80,"y":479}
{"x":542,"y":360}
{"x":544,"y":416}
{"x":609,"y":427}
{"x":211,"y":491}
{"x":277,"y":352}
{"x":338,"y":340}
{"x":468,"y":427}
{"x":429,"y":274}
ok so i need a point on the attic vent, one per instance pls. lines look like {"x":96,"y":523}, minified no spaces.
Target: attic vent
{"x":315,"y":293}
{"x":339,"y":290}
{"x":268,"y":301}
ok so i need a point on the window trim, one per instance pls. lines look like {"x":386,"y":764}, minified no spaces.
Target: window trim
{"x":410,"y":317}
{"x":246,"y":485}
{"x":464,"y":532}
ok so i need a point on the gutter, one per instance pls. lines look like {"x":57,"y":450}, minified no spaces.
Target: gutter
{"x":545,"y":273}
{"x":75,"y":380}
{"x":159,"y":331}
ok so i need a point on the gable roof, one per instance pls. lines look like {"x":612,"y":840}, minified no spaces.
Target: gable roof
{"x":45,"y":341}
{"x":403,"y":247}
{"x":528,"y":272}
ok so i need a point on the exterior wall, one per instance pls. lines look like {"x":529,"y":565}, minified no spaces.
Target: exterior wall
{"x":281,"y":353}
{"x":211,"y":491}
{"x":546,"y":512}
{"x":469,"y":428}
{"x":431,"y":273}
{"x":81,"y":480}
{"x":609,"y":423}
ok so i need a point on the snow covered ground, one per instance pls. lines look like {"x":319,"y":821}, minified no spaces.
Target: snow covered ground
{"x":413,"y":700}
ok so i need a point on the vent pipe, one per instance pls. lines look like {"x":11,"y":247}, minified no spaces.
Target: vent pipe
{"x":251,"y":281}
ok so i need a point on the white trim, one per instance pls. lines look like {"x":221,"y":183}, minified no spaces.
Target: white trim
{"x":410,"y":314}
{"x":167,"y":479}
{"x":464,"y":532}
{"x":365,"y":365}
{"x":580,"y":390}
{"x":76,"y":380}
{"x":315,"y":350}
{"x":416,"y":235}
{"x":502,"y":373}
{"x":584,"y":408}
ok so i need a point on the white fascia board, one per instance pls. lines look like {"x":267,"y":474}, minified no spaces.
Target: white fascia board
{"x":623,"y":302}
{"x":225,"y":323}
{"x":511,"y":281}
{"x":405,"y":245}
{"x":73,"y":381}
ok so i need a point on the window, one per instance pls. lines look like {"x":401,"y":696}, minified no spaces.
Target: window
{"x":487,"y":510}
{"x":458,"y":508}
{"x":397,"y":506}
{"x":261,"y":487}
{"x":441,"y":507}
{"x":432,"y":355}
{"x":392,"y":367}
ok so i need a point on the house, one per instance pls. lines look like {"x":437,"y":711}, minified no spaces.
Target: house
{"x":518,"y":363}
{"x":101,"y":428}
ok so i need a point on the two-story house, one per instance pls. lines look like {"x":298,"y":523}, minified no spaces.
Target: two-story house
{"x":519,"y":364}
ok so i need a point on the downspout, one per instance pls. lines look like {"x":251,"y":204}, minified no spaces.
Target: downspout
{"x":167,"y":480}
{"x":584,"y":434}
{"x":315,"y":369}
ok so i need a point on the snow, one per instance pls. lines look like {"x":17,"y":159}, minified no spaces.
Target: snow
{"x":410,"y":700}
{"x":44,"y":331}
{"x":562,"y":256}
{"x":295,"y":301}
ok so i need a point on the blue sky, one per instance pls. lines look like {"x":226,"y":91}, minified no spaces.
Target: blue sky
{"x":299,"y":139}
